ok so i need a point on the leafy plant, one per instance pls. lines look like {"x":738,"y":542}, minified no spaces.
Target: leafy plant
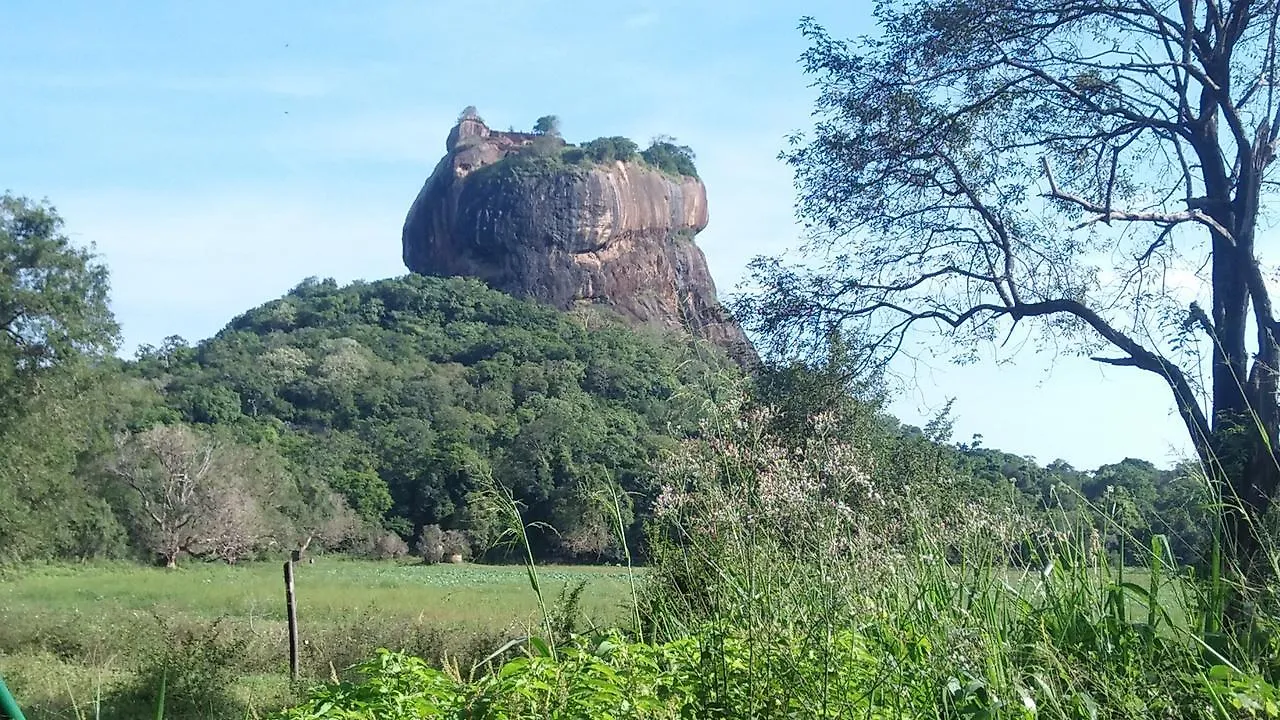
{"x":188,"y":675}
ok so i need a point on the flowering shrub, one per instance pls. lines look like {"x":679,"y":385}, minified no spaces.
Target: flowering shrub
{"x":740,"y":497}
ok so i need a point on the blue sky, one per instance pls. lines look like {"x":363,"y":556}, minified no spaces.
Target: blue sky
{"x":219,"y":152}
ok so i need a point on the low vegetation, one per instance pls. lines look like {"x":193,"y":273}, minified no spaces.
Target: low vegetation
{"x":790,"y":581}
{"x":548,"y":153}
{"x":75,"y":639}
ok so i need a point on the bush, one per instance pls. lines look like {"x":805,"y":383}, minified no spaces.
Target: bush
{"x":668,"y":157}
{"x":610,"y":149}
{"x":430,"y":545}
{"x":456,"y":542}
{"x":388,"y":546}
{"x":589,"y":678}
{"x":193,"y":669}
{"x":379,"y":545}
{"x":901,"y":585}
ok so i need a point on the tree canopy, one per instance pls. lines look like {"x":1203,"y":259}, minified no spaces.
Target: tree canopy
{"x":403,"y":394}
{"x":53,"y":301}
{"x":1085,"y":174}
{"x":547,"y":125}
{"x":56,"y":325}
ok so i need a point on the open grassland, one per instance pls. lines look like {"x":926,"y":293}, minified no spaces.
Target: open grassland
{"x":70,"y":634}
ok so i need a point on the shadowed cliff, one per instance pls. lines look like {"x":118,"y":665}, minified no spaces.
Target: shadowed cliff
{"x":536,"y":218}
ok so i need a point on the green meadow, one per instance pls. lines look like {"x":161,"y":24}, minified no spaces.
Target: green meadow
{"x":72,"y":636}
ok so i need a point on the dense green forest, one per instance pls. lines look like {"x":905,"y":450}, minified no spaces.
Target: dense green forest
{"x":400,"y":394}
{"x":363,"y":418}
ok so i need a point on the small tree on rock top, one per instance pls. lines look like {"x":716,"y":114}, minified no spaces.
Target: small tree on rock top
{"x":547,"y":125}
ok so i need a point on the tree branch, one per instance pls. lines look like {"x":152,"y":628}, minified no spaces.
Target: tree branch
{"x":1106,"y":214}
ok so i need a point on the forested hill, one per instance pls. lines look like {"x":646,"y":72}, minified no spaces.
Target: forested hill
{"x":365,"y":417}
{"x":400,"y":393}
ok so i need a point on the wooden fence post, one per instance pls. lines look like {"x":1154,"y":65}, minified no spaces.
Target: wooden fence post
{"x":292,"y":608}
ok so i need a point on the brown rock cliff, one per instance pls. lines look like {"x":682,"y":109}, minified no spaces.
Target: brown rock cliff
{"x":504,"y":208}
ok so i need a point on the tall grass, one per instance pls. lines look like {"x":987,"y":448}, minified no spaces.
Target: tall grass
{"x":865,"y":598}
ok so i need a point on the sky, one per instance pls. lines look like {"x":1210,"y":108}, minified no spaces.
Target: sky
{"x":217,"y":153}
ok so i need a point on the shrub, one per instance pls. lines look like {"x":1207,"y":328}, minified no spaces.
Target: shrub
{"x":456,"y":542}
{"x":669,"y":157}
{"x":610,"y":149}
{"x":430,"y":545}
{"x":388,"y":546}
{"x":544,"y":146}
{"x":901,"y":586}
{"x":379,"y":545}
{"x":193,"y":669}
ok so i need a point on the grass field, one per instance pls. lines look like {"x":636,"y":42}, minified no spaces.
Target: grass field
{"x":71,"y":633}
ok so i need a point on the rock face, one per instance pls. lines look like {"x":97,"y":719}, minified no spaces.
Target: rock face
{"x":619,"y":234}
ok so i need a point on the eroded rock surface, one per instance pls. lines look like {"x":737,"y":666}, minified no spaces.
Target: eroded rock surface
{"x":620,"y":234}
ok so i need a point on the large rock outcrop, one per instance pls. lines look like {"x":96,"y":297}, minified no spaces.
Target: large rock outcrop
{"x":620,"y":233}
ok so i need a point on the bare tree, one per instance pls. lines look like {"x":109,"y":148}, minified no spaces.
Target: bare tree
{"x":326,"y":519}
{"x":194,"y":495}
{"x":1081,"y":173}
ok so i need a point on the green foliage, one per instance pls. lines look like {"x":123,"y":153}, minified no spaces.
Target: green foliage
{"x":595,"y":677}
{"x":547,"y":125}
{"x":55,"y":404}
{"x":547,"y":155}
{"x":49,"y":505}
{"x":1125,"y":503}
{"x":669,"y":157}
{"x":400,"y":394}
{"x":53,"y":302}
{"x":190,"y":675}
{"x":860,"y":594}
{"x":610,"y":149}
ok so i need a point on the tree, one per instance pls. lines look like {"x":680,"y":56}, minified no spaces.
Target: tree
{"x":1062,"y":169}
{"x":195,"y":496}
{"x":664,"y":154}
{"x":611,"y":149}
{"x":53,"y":302}
{"x":547,"y":125}
{"x":54,"y":325}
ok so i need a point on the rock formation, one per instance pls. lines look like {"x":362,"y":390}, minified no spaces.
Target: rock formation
{"x":507,"y":209}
